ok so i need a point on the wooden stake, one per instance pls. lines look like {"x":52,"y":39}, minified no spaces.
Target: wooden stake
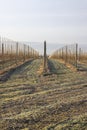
{"x":45,"y":57}
{"x":76,"y":55}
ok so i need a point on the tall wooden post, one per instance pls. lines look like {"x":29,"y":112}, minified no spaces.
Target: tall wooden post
{"x":16,"y":52}
{"x":28,"y":52}
{"x":76,"y":55}
{"x":24,"y":52}
{"x":2,"y":49}
{"x":66,"y":49}
{"x":31,"y":53}
{"x":62,"y":53}
{"x":3,"y":55}
{"x":45,"y":57}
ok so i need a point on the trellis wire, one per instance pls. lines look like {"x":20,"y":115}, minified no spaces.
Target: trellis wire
{"x":70,"y":54}
{"x":15,"y":51}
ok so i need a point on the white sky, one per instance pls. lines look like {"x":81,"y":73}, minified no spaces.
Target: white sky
{"x":56,"y":21}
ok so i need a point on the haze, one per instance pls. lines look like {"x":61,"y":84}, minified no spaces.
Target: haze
{"x":56,"y":21}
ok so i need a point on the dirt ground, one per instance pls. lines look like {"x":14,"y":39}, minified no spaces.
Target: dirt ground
{"x":57,"y":101}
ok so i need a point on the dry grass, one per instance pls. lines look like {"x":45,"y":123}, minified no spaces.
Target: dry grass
{"x":58,"y":101}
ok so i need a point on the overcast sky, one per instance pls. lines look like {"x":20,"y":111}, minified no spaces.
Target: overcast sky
{"x":56,"y":21}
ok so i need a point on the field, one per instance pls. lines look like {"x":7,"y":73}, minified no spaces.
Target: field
{"x":56,"y":101}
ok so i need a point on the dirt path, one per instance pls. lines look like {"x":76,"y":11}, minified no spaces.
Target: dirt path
{"x":53,"y":102}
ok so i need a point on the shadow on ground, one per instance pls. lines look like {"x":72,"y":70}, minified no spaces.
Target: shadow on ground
{"x":8,"y":74}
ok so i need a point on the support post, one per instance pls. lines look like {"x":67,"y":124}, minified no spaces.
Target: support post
{"x":16,"y":52}
{"x":28,"y":52}
{"x":45,"y":57}
{"x":76,"y":55}
{"x":24,"y":52}
{"x":2,"y":49}
{"x":62,"y":53}
{"x":3,"y":55}
{"x":66,"y":54}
